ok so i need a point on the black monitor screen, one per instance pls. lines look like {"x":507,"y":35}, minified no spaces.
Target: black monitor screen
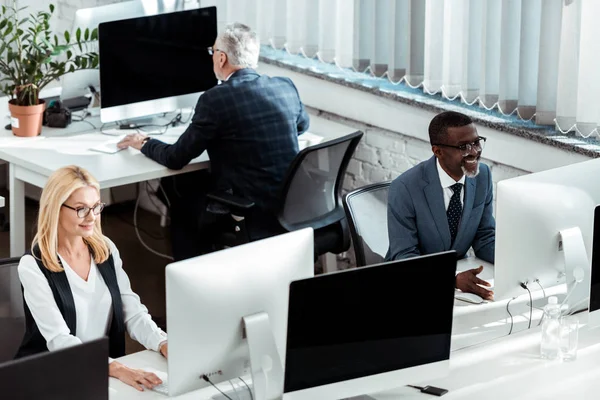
{"x":369,"y":320}
{"x":595,"y":284}
{"x":157,"y":56}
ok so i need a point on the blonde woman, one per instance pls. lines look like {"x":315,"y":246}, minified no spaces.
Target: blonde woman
{"x":74,"y":286}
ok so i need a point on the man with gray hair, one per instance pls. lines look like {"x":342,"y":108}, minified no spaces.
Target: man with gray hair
{"x":249,"y":124}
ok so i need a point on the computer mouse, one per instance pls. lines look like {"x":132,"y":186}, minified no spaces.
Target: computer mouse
{"x":468,"y":297}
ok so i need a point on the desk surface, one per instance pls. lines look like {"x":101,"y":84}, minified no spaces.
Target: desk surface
{"x":507,"y":368}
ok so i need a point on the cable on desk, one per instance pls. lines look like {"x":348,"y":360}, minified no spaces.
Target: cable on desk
{"x":208,"y":380}
{"x":234,"y":389}
{"x":249,"y":390}
{"x":524,"y":286}
{"x":541,"y":287}
{"x":511,"y":316}
{"x":87,"y":122}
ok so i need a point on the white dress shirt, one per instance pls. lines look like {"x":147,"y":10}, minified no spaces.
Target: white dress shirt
{"x":447,"y":181}
{"x":93,"y":306}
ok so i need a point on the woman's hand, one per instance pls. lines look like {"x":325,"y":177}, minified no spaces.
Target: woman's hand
{"x":133,"y":377}
{"x":164,"y":350}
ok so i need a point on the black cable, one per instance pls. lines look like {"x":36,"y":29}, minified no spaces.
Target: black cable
{"x":511,"y":316}
{"x":524,"y":286}
{"x":416,"y":387}
{"x":208,"y":380}
{"x":249,"y":391}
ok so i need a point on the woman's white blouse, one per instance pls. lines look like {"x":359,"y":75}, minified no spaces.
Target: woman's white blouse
{"x":93,"y":306}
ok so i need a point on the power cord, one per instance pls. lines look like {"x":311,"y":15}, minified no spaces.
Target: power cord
{"x":249,"y":390}
{"x":541,"y":287}
{"x":137,"y":232}
{"x":511,"y":316}
{"x":524,"y":286}
{"x":220,"y":391}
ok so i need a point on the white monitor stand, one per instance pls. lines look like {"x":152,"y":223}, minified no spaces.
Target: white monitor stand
{"x":577,"y":268}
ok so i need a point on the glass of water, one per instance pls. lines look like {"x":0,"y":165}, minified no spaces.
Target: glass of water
{"x":568,"y":333}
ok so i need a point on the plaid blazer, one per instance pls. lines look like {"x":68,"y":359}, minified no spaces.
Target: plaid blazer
{"x":249,"y":125}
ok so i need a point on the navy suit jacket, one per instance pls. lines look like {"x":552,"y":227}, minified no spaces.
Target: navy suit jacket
{"x":249,"y":125}
{"x":417,"y":221}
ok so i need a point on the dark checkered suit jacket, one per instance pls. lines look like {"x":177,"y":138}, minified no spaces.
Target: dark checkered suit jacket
{"x":249,"y":125}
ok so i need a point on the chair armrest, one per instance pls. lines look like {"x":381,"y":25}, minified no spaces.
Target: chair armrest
{"x":231,"y":200}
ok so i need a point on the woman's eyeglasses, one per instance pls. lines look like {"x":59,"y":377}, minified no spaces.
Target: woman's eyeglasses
{"x":83,"y":212}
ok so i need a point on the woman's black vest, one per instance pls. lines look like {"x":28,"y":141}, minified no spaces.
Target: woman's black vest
{"x":33,"y":341}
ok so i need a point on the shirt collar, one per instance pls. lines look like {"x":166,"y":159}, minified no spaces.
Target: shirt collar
{"x":445,"y":179}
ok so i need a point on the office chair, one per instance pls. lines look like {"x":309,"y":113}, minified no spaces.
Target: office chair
{"x":366,"y":210}
{"x":310,"y":197}
{"x":12,"y":317}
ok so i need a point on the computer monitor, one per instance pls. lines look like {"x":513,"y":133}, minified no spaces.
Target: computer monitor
{"x":594,"y":305}
{"x":217,"y":300}
{"x":76,"y":84}
{"x":155,"y":64}
{"x":544,"y":225}
{"x":78,"y":372}
{"x":370,"y":329}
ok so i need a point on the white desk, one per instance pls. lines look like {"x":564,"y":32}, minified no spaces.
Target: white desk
{"x":507,"y":368}
{"x":34,"y":161}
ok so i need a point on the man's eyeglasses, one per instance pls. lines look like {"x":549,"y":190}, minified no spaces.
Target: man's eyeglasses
{"x":466,"y":148}
{"x":211,"y":50}
{"x":83,"y":212}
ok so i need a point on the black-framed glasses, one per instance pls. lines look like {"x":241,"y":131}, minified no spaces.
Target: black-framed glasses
{"x":83,"y":212}
{"x":211,"y":50}
{"x":466,"y":148}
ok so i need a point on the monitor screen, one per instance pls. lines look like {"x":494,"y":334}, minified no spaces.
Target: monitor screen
{"x":595,"y":284}
{"x":156,"y":57}
{"x":369,"y":320}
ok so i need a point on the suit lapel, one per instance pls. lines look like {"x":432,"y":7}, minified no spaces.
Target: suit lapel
{"x":435,"y":200}
{"x":467,"y":207}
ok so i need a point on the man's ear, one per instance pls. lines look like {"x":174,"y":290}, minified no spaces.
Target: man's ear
{"x":437,"y":151}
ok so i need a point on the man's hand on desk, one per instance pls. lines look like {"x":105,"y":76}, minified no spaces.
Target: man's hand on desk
{"x":136,"y":378}
{"x":468,"y":282}
{"x":135,"y":140}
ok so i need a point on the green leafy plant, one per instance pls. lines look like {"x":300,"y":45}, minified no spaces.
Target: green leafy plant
{"x":32,"y":56}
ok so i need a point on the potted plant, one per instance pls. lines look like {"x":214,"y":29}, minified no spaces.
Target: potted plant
{"x":31,"y":57}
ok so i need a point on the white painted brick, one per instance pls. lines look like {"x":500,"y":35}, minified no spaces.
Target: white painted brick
{"x":418,"y":150}
{"x":374,"y":174}
{"x":354,"y":167}
{"x":367,"y":154}
{"x":379,"y":139}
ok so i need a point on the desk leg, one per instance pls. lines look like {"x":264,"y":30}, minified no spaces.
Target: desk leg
{"x":17,"y":213}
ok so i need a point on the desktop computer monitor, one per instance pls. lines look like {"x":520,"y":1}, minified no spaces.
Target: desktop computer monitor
{"x":594,"y":305}
{"x":77,"y":84}
{"x":155,"y":64}
{"x":370,"y":329}
{"x":544,"y":226}
{"x":216,"y":301}
{"x":78,"y":372}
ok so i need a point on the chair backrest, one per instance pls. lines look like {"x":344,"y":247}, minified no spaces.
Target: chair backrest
{"x":366,"y":210}
{"x":311,"y":195}
{"x":12,"y":317}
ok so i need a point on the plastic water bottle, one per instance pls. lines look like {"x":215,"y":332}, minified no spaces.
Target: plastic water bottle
{"x":550,"y":327}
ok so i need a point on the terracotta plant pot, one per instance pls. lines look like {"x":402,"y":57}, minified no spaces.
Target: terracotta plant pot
{"x":26,"y":121}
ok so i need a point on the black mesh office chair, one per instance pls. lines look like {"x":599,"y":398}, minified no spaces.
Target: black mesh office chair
{"x":366,"y":210}
{"x":310,"y":197}
{"x":12,"y":317}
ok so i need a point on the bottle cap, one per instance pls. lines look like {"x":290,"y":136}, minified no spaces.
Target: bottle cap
{"x":552,"y":300}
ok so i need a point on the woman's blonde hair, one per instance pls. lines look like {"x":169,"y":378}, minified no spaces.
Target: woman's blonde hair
{"x":61,"y":184}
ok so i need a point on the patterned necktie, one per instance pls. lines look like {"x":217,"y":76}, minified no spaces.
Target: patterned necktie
{"x":454,"y":211}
